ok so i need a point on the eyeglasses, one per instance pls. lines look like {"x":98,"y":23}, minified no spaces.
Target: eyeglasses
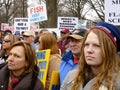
{"x":6,"y":40}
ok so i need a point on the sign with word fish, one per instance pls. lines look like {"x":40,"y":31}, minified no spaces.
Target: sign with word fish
{"x":37,"y":13}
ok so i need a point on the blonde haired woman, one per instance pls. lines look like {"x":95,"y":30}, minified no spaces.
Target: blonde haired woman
{"x":48,"y":41}
{"x":7,"y":42}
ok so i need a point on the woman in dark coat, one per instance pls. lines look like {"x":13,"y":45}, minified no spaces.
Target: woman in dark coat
{"x":21,"y":71}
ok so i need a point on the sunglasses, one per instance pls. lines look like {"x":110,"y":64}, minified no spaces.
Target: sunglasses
{"x":26,"y":36}
{"x":6,"y":40}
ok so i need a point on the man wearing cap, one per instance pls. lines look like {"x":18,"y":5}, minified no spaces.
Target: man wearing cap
{"x":63,"y":41}
{"x":29,"y":36}
{"x":18,"y":36}
{"x":70,"y":59}
{"x":7,"y":32}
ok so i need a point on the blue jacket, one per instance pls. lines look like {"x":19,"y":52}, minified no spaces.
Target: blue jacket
{"x":66,"y":65}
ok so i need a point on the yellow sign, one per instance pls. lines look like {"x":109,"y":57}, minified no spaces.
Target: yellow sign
{"x":55,"y":81}
{"x":43,"y":58}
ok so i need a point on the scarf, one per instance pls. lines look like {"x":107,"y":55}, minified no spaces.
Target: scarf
{"x":13,"y":83}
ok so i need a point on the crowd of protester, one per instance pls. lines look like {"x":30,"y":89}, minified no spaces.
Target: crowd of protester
{"x":86,"y":59}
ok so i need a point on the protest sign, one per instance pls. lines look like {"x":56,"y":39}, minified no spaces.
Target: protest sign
{"x":43,"y":58}
{"x":55,"y":81}
{"x":21,"y":24}
{"x":67,"y":22}
{"x":5,"y":26}
{"x":112,"y":11}
{"x":37,"y":13}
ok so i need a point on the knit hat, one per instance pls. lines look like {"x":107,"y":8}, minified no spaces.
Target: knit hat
{"x":112,"y":31}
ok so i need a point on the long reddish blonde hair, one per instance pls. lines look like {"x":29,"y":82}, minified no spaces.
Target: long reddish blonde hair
{"x":110,"y":65}
{"x":49,"y":42}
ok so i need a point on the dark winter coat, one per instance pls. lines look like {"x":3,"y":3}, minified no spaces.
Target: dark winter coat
{"x":28,"y":82}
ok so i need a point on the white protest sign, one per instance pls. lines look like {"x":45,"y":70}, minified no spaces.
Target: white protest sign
{"x":67,"y":22}
{"x":112,"y":11}
{"x":37,"y":13}
{"x":21,"y":24}
{"x":82,"y":24}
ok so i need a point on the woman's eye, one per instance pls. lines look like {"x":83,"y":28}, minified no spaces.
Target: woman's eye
{"x":16,"y":55}
{"x":86,"y":44}
{"x":97,"y":45}
{"x":10,"y":54}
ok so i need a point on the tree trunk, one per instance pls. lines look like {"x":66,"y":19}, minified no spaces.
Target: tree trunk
{"x":52,"y":13}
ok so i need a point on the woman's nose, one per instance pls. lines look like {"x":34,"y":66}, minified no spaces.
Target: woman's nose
{"x":90,"y":49}
{"x":10,"y":58}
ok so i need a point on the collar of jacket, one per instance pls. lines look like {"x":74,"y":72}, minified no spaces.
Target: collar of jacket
{"x":68,"y":56}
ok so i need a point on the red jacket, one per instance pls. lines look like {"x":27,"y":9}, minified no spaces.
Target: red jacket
{"x":63,"y":45}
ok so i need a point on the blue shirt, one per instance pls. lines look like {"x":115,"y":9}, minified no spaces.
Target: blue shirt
{"x":66,"y":65}
{"x":35,"y":46}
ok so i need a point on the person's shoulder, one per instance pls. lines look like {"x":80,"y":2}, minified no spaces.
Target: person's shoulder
{"x":2,"y":65}
{"x":55,"y":56}
{"x":68,"y":55}
{"x":39,"y":85}
{"x":69,"y":80}
{"x":117,"y":80}
{"x":71,"y":72}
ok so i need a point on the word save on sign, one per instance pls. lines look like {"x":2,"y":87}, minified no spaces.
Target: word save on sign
{"x":37,"y":13}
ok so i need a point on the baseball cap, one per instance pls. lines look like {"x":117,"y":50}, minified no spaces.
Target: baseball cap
{"x":80,"y":31}
{"x":75,"y":36}
{"x":29,"y":33}
{"x":7,"y":32}
{"x":78,"y":34}
{"x":17,"y":32}
{"x":65,"y":30}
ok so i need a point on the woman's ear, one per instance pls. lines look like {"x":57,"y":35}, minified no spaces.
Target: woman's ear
{"x":26,"y":65}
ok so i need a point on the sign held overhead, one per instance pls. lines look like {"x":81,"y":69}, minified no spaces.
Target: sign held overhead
{"x":37,"y":13}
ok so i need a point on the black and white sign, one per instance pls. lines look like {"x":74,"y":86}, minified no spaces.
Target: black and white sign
{"x":21,"y":24}
{"x":67,"y":22}
{"x":112,"y":11}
